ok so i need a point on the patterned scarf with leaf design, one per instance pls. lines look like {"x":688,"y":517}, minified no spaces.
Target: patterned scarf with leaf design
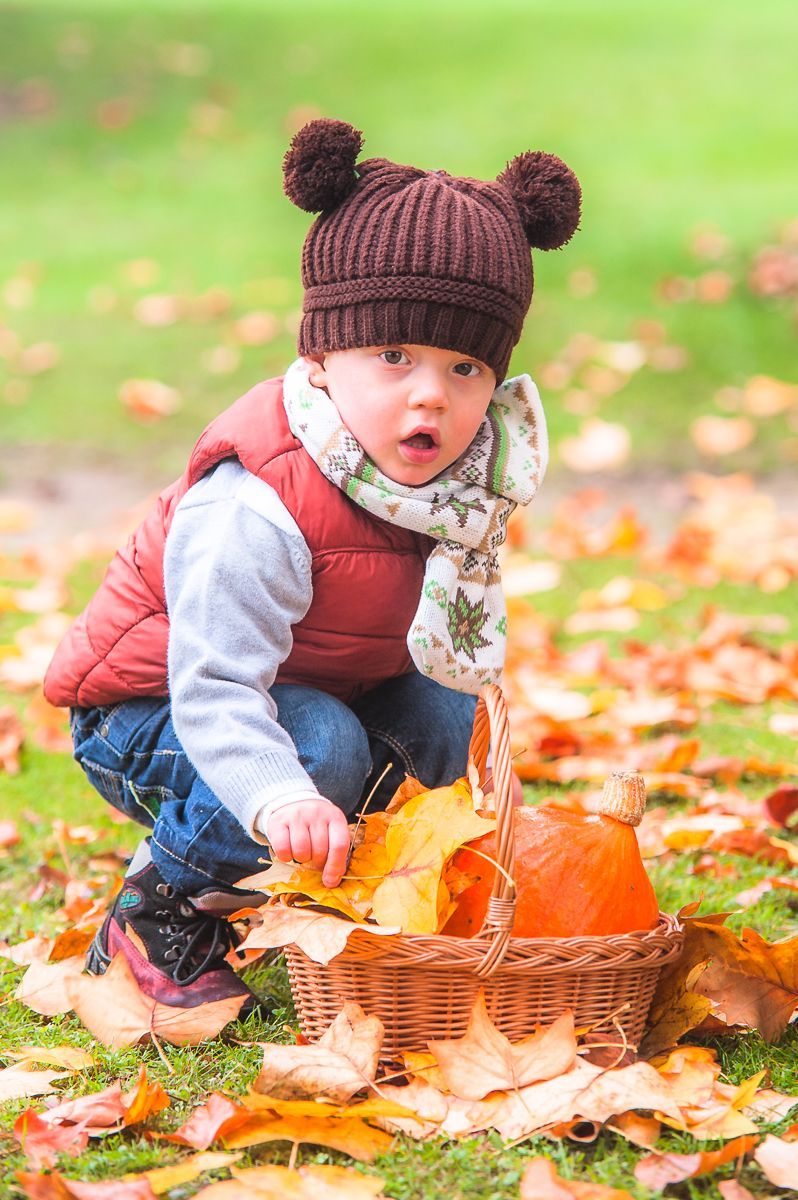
{"x":459,"y":633}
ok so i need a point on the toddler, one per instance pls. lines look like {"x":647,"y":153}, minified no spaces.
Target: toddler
{"x":313,"y":606}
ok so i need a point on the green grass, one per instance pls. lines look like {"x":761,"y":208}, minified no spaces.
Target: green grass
{"x":670,"y":119}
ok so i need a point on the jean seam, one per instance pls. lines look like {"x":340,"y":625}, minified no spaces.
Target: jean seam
{"x":391,"y":741}
{"x":184,"y":863}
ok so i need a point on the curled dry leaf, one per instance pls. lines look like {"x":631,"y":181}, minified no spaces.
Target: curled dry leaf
{"x":41,"y":1142}
{"x":540,"y":1181}
{"x":350,"y":1135}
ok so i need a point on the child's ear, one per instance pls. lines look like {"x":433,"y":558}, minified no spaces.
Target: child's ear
{"x":317,"y":376}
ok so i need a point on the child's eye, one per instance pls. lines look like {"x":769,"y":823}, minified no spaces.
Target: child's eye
{"x":469,"y":367}
{"x":392,"y":362}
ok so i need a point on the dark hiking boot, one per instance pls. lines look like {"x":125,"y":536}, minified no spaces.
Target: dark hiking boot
{"x":174,"y":949}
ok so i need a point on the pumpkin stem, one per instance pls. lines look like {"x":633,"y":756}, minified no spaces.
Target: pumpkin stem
{"x":624,"y":797}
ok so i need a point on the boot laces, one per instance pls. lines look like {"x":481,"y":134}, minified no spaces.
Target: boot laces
{"x":196,"y":941}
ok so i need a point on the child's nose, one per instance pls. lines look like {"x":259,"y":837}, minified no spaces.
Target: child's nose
{"x":429,"y":390}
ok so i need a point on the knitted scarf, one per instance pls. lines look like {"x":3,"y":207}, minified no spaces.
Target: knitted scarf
{"x":459,"y":633}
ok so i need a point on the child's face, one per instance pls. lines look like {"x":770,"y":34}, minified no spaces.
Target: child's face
{"x":386,"y":394}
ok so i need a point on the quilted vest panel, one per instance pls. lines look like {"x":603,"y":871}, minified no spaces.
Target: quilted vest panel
{"x":349,"y":640}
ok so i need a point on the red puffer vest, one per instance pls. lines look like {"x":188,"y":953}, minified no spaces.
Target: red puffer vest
{"x":366,"y":573}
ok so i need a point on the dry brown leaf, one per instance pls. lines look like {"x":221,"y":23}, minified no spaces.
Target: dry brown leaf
{"x":68,"y":1057}
{"x":779,"y":1160}
{"x":587,"y":1091}
{"x":321,"y":936}
{"x":540,"y":1181}
{"x":18,"y":1082}
{"x":342,"y":1062}
{"x":117,"y":1012}
{"x":641,"y":1131}
{"x":658,"y":1170}
{"x":484,"y":1060}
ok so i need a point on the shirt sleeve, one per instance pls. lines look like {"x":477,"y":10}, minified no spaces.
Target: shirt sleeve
{"x":237,"y":576}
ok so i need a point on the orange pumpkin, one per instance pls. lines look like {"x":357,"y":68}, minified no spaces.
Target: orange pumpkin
{"x":574,"y":874}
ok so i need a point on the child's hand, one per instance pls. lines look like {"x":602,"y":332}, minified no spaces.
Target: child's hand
{"x":313,"y":832}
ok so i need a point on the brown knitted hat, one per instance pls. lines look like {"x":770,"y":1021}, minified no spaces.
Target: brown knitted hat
{"x":400,"y":255}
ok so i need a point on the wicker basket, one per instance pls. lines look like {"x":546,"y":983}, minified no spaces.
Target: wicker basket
{"x":423,"y":987}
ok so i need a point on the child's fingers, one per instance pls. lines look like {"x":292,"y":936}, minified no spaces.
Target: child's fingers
{"x":319,"y":844}
{"x":301,"y":844}
{"x":338,"y":837}
{"x":280,"y":841}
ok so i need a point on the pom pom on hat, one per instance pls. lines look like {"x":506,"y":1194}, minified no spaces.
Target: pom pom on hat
{"x":548,"y":197}
{"x":319,"y":166}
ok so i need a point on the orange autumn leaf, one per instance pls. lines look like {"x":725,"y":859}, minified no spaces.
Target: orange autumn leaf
{"x":57,"y":1187}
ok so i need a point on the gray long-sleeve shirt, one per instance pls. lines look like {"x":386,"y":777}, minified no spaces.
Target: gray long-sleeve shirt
{"x":237,"y":577}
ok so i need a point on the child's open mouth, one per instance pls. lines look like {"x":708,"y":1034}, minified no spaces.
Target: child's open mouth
{"x":419,"y":448}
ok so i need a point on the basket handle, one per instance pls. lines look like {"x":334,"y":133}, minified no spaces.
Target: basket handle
{"x":491,"y":726}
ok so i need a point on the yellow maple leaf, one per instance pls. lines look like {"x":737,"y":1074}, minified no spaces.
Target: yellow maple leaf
{"x":422,"y":835}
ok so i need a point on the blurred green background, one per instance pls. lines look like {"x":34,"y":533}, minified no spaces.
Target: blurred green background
{"x":142,"y":215}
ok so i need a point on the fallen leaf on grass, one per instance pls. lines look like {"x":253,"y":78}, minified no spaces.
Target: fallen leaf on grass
{"x":658,"y":1170}
{"x":117,"y":1012}
{"x":744,"y":981}
{"x":18,"y":1082}
{"x":540,"y":1181}
{"x":43,"y":987}
{"x":484,"y":1060}
{"x":9,"y":834}
{"x":41,"y":1142}
{"x":779,"y":1160}
{"x":307,"y":1183}
{"x":68,"y":1057}
{"x":58,"y":1187}
{"x":781,"y":805}
{"x":12,"y":735}
{"x":213,"y":1120}
{"x":348,"y":1134}
{"x":163,"y":1179}
{"x":342,"y":1062}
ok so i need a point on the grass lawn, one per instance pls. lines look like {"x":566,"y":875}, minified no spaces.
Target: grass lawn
{"x":51,"y":786}
{"x":156,"y":131}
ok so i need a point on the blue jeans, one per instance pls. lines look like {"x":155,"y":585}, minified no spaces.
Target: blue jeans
{"x":131,"y":754}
